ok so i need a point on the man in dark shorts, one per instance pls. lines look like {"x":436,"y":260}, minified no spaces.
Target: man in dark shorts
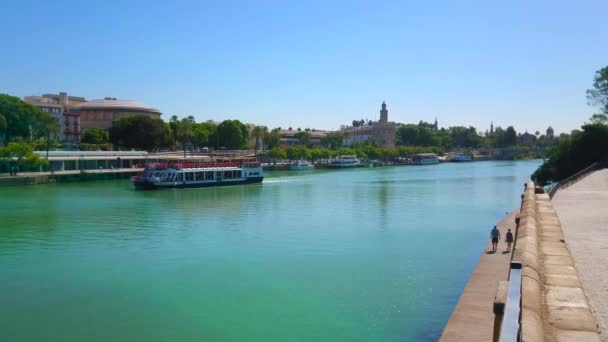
{"x":509,"y":240}
{"x":495,"y":235}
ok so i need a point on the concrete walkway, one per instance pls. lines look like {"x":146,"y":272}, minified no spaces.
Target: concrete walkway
{"x":473,"y":318}
{"x":582,"y":209}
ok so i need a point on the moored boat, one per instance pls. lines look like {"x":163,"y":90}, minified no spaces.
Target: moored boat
{"x":459,"y":157}
{"x":424,"y":159}
{"x":301,"y":165}
{"x":198,"y":175}
{"x":344,"y":161}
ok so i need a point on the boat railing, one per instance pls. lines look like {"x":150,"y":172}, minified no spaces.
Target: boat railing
{"x":196,"y":165}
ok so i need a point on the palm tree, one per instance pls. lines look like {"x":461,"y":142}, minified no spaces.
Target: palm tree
{"x":355,"y":125}
{"x":258,"y":133}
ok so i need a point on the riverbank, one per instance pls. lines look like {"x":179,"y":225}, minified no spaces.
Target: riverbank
{"x":473,"y":317}
{"x":32,"y":178}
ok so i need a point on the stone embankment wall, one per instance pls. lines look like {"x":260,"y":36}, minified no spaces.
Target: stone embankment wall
{"x":554,"y":306}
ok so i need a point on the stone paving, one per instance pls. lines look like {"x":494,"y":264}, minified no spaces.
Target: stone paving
{"x":473,"y":318}
{"x":582,"y":209}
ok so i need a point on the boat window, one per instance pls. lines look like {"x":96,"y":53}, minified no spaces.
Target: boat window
{"x":180,"y":177}
{"x":208,"y":175}
{"x":189,"y":176}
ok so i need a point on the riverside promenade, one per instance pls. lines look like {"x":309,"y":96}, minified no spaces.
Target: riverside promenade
{"x":582,"y":209}
{"x":25,"y":178}
{"x":551,"y":291}
{"x":473,"y":317}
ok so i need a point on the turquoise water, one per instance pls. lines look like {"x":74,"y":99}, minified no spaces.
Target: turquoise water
{"x":350,"y":255}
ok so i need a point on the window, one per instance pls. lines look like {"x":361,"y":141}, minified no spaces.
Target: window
{"x":180,"y":177}
{"x":189,"y":176}
{"x":209,"y":175}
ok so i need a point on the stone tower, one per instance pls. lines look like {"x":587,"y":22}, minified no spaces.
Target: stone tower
{"x":492,"y":127}
{"x":383,"y":113}
{"x":436,"y":125}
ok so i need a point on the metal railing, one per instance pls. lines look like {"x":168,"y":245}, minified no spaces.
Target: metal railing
{"x":576,"y":177}
{"x":510,"y":328}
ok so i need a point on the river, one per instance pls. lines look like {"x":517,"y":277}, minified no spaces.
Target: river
{"x":349,"y":255}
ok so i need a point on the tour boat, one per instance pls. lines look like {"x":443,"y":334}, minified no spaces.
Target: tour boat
{"x":300,"y":165}
{"x":198,"y":175}
{"x":344,"y":161}
{"x":424,"y":159}
{"x":459,"y":157}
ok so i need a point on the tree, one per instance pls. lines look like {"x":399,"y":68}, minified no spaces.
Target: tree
{"x":95,"y":136}
{"x":184,"y":132}
{"x":203,"y":133}
{"x":510,"y":138}
{"x":599,"y":119}
{"x":140,"y":132}
{"x":304,"y":138}
{"x":21,"y":154}
{"x":259,"y":133}
{"x":232,"y":134}
{"x":276,"y":154}
{"x":22,"y":119}
{"x":3,"y":127}
{"x":333,"y":140}
{"x":598,"y":95}
{"x":574,"y":153}
{"x":273,"y":138}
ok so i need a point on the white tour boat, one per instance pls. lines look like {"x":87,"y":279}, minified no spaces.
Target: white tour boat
{"x":424,"y":159}
{"x":197,"y":175}
{"x":344,"y":161}
{"x":300,"y":165}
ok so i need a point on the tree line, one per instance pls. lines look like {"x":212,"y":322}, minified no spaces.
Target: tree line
{"x":582,"y":147}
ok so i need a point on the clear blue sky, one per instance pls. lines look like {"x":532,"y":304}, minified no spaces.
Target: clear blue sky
{"x":316,"y":64}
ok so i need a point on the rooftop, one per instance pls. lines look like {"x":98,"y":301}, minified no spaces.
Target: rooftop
{"x":113,"y":103}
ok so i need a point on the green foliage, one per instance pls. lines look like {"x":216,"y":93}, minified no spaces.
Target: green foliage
{"x":598,"y":95}
{"x":273,"y":138}
{"x":298,"y":152}
{"x":95,"y":136}
{"x":23,"y":120}
{"x":276,"y":153}
{"x":21,"y":154}
{"x":259,"y":134}
{"x":333,"y":140}
{"x":232,"y":134}
{"x":140,"y":132}
{"x":599,"y":119}
{"x":305,"y":139}
{"x":3,"y":125}
{"x":574,"y":153}
{"x":464,"y":137}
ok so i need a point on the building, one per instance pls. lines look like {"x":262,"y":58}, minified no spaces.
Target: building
{"x":383,"y":131}
{"x":289,"y":137}
{"x":526,"y":139}
{"x":550,"y":133}
{"x":101,"y":113}
{"x":62,"y":108}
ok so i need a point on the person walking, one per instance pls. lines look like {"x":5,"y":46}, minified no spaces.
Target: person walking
{"x":495,"y":235}
{"x":509,"y":240}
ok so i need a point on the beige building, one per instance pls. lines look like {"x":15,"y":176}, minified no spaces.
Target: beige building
{"x":383,"y":131}
{"x":101,"y":113}
{"x":61,"y":107}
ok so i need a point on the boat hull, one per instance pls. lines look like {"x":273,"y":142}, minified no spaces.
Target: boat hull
{"x":145,"y":185}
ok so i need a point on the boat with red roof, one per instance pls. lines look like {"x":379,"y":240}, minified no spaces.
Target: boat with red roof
{"x":185,"y":174}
